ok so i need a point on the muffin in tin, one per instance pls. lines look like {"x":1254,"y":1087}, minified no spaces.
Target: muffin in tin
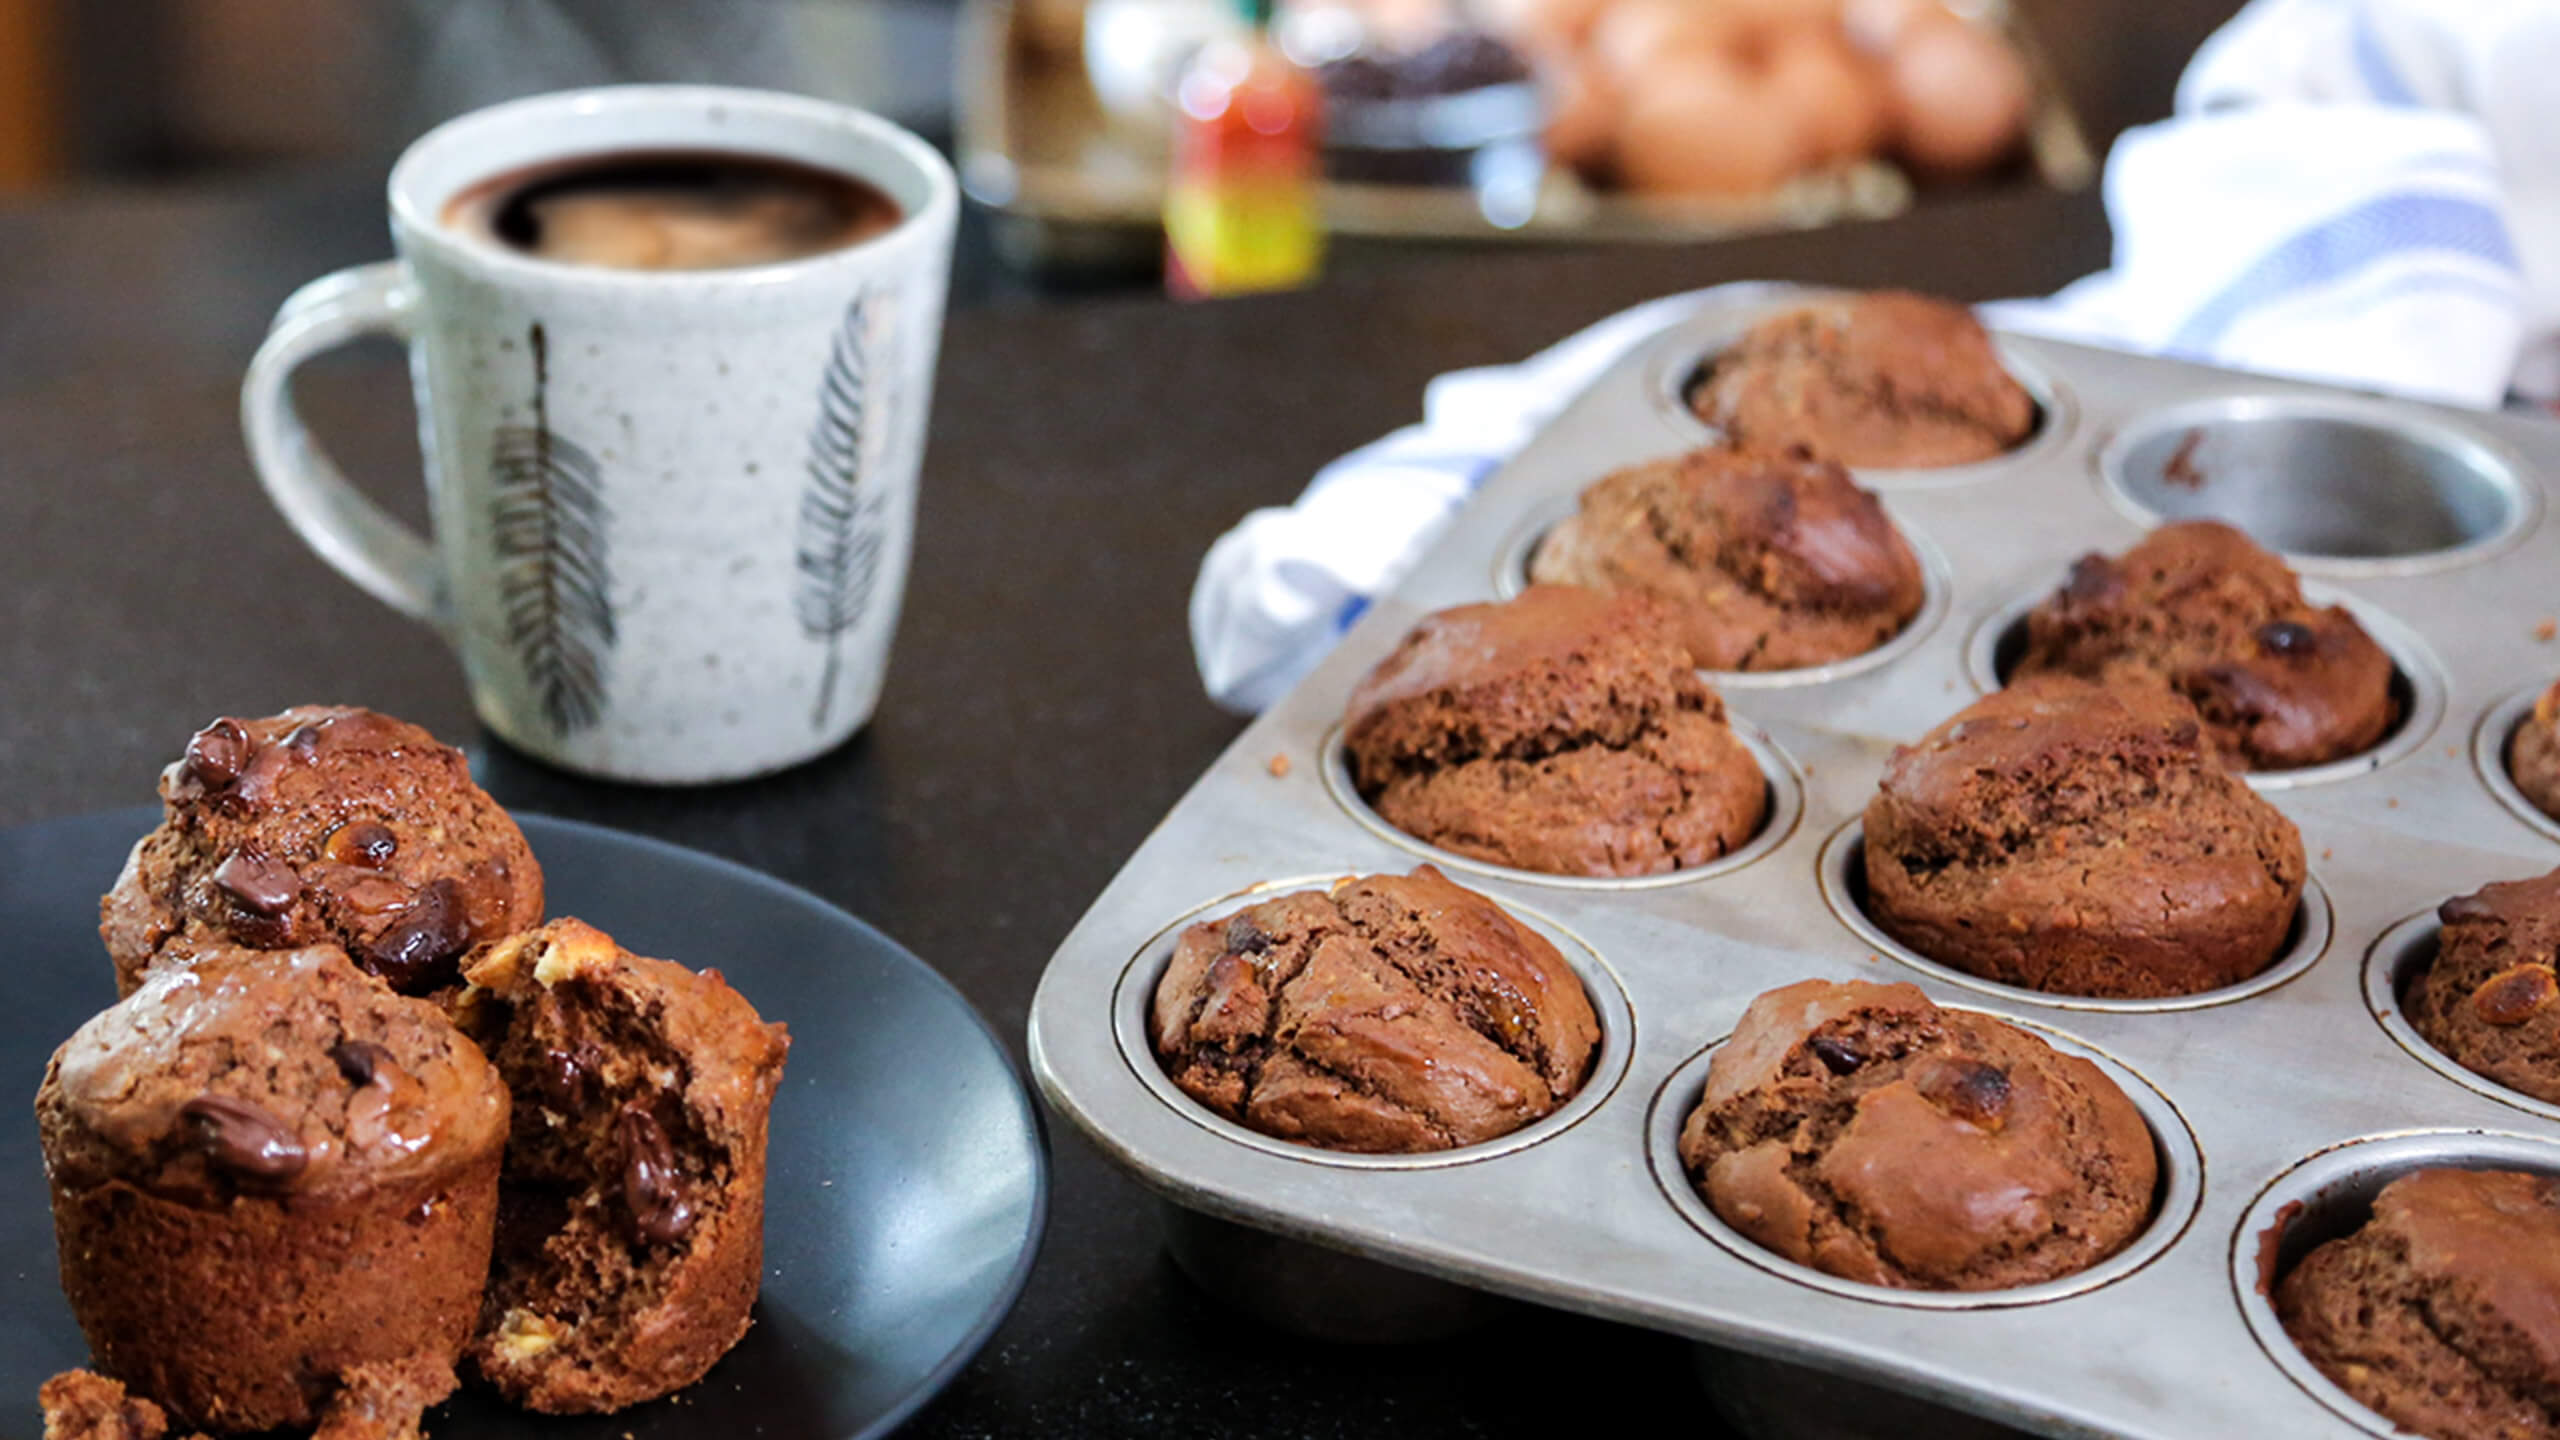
{"x":1563,"y":731}
{"x":1390,"y":1014}
{"x":274,"y":1184}
{"x":323,"y":825}
{"x":2201,"y":609}
{"x":2533,"y":755}
{"x":1767,"y":561}
{"x":2441,"y":1314}
{"x":2081,"y":839}
{"x":1863,"y":1131}
{"x":1886,"y":379}
{"x":2489,"y":999}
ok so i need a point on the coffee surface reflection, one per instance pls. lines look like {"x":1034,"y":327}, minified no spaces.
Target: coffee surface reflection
{"x":672,"y":210}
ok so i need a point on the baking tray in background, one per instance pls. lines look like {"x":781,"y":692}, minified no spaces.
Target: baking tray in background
{"x":2306,"y":1089}
{"x":1068,"y":181}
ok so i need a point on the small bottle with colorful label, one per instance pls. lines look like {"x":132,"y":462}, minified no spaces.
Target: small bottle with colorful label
{"x":1240,"y":207}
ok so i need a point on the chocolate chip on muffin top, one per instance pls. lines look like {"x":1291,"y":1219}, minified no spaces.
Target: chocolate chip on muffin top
{"x":2489,"y":998}
{"x":2442,"y":1313}
{"x":323,"y":824}
{"x":2082,"y":839}
{"x":1563,"y":731}
{"x":2200,"y":608}
{"x":1389,"y":1014}
{"x":1766,"y":561}
{"x":1863,"y":1131}
{"x":1882,"y":379}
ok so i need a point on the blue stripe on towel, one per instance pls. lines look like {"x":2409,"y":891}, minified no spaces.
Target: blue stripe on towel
{"x":2373,"y":65}
{"x":1350,"y":613}
{"x":2345,"y":243}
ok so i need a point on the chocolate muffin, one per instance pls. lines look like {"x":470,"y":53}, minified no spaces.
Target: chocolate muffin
{"x":632,"y":1226}
{"x":2442,"y":1314}
{"x":1391,"y":1013}
{"x":323,"y":825}
{"x":2080,"y":839}
{"x":1766,"y":562}
{"x":1563,"y":731}
{"x":2533,"y":756}
{"x":1882,"y":379}
{"x":1862,"y":1131}
{"x":2489,"y":999}
{"x":274,"y":1183}
{"x":2201,"y":609}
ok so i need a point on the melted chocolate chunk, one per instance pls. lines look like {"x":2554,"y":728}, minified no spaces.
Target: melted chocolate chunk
{"x":1837,"y":1056}
{"x":361,"y":1060}
{"x":218,"y":753}
{"x":2466,"y":907}
{"x":2290,"y":638}
{"x":257,"y":882}
{"x":651,"y":1184}
{"x":1967,"y":1090}
{"x":243,"y":1141}
{"x":563,"y":1078}
{"x":2093,"y":581}
{"x":418,"y":952}
{"x":1246,"y":938}
{"x":365,"y":843}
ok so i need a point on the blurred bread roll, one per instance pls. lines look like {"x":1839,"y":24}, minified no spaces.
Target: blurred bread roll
{"x":1636,"y":35}
{"x":1583,"y":107}
{"x":1699,"y":124}
{"x":1837,"y":95}
{"x":1960,"y":94}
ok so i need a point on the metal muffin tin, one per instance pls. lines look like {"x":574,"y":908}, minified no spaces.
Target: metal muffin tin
{"x":2250,"y":1096}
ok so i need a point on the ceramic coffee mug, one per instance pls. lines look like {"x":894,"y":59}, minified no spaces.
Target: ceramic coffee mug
{"x":672,"y":508}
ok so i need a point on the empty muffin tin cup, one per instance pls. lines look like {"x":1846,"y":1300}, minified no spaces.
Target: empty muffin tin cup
{"x":1682,"y":368}
{"x":1131,"y":1000}
{"x":1937,"y":592}
{"x":1319,"y":1293}
{"x":2173,"y":1207}
{"x":2489,"y":743}
{"x":1759,"y":1398}
{"x":1777,"y":768}
{"x":2330,"y":1195}
{"x":2418,"y":687}
{"x":1844,"y":887}
{"x":2398,"y":956}
{"x":2343,"y":485}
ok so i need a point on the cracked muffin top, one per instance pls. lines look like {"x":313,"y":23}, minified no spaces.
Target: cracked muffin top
{"x":324,"y":824}
{"x":2200,"y":608}
{"x":2081,"y":839}
{"x":1765,"y":561}
{"x":1863,"y":1131}
{"x":1563,"y":731}
{"x":2443,"y":1313}
{"x":2533,"y":756}
{"x":1886,"y":379}
{"x":1393,"y":1013}
{"x":2489,"y":999}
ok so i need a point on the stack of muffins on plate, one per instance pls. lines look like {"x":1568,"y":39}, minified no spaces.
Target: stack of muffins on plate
{"x":360,"y":1114}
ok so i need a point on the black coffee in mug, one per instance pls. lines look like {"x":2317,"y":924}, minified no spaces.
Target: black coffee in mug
{"x":673,"y":210}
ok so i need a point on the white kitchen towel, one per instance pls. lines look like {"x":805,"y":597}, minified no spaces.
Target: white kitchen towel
{"x":2360,"y":192}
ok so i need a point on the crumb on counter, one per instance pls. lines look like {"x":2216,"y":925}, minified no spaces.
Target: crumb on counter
{"x":1279,"y":766}
{"x":2547,"y":629}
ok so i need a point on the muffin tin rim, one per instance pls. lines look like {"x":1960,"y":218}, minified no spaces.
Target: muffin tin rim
{"x":2389,"y":962}
{"x":2490,"y":739}
{"x":2391,"y":1153}
{"x":2412,"y":660}
{"x":2180,"y":1197}
{"x":1676,"y":369}
{"x":1937,"y":602}
{"x":2308,"y":942}
{"x":2259,"y":398}
{"x":1132,"y":993}
{"x":1784,"y":777}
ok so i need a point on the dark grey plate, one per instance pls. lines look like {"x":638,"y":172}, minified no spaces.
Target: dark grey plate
{"x":906,"y":1185}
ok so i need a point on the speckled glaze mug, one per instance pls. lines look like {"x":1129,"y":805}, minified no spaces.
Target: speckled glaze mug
{"x":672,"y":508}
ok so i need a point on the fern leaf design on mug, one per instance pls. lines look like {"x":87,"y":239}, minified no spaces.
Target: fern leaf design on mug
{"x":554,"y":576}
{"x":841,"y":523}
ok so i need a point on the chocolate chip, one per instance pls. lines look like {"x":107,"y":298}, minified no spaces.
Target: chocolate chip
{"x":563,"y":1076}
{"x":361,"y":1060}
{"x":2093,"y":580}
{"x":2288,"y":637}
{"x":417,"y":953}
{"x":1246,"y":938}
{"x":2515,"y":994}
{"x":257,"y":882}
{"x":1967,"y":1090}
{"x":366,"y":843}
{"x":247,"y":1143}
{"x":1837,"y":1056}
{"x":2466,"y":907}
{"x":650,"y":1181}
{"x":218,"y":753}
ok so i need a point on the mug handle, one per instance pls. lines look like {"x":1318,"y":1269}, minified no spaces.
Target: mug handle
{"x":385,"y":558}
